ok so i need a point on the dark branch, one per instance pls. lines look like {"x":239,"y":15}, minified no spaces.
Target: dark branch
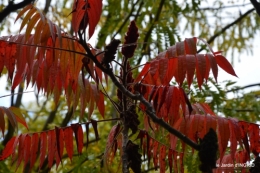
{"x":149,"y":108}
{"x":228,"y":6}
{"x":241,"y":88}
{"x":256,"y":5}
{"x":240,"y":110}
{"x":11,"y":7}
{"x":149,"y":32}
{"x":227,"y":27}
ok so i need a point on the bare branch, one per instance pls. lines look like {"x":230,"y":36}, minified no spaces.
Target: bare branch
{"x":228,"y":6}
{"x":227,"y":27}
{"x":11,"y":7}
{"x":256,"y":5}
{"x":244,"y":87}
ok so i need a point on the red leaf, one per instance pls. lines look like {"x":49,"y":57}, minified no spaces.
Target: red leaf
{"x":163,"y":67}
{"x":169,"y":98}
{"x":225,"y":65}
{"x":68,"y":139}
{"x":2,"y":122}
{"x":155,"y":155}
{"x":253,"y":132}
{"x":100,"y":105}
{"x":213,"y":65}
{"x":190,"y":64}
{"x":223,"y":135}
{"x":51,"y":147}
{"x":34,"y":149}
{"x":200,"y":68}
{"x":27,"y":149}
{"x":20,"y":150}
{"x":181,"y":69}
{"x":78,"y":132}
{"x":143,"y":72}
{"x":59,"y":140}
{"x":8,"y":150}
{"x":162,"y":97}
{"x":154,"y":67}
{"x":43,"y":139}
{"x":180,"y":48}
{"x":233,"y":137}
{"x":94,"y":13}
{"x":86,"y":13}
{"x":170,"y":153}
{"x":190,"y":45}
{"x":162,"y":159}
{"x":111,"y":141}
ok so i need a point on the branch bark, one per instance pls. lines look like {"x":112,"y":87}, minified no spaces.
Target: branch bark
{"x":149,"y":108}
{"x":227,"y":27}
{"x":11,"y":7}
{"x":244,"y":87}
{"x":256,"y":6}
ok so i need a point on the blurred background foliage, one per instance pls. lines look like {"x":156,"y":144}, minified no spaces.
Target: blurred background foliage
{"x":230,"y":26}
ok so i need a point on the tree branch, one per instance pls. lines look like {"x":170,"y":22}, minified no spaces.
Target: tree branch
{"x":11,"y":7}
{"x":256,"y":6}
{"x":228,"y":6}
{"x":244,"y":87}
{"x":149,"y":108}
{"x":149,"y":32}
{"x":227,"y":27}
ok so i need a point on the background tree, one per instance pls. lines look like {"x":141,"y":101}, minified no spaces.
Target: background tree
{"x":161,"y":22}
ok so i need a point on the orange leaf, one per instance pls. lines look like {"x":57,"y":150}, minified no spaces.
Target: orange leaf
{"x":28,"y":7}
{"x":225,"y":65}
{"x":68,"y":139}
